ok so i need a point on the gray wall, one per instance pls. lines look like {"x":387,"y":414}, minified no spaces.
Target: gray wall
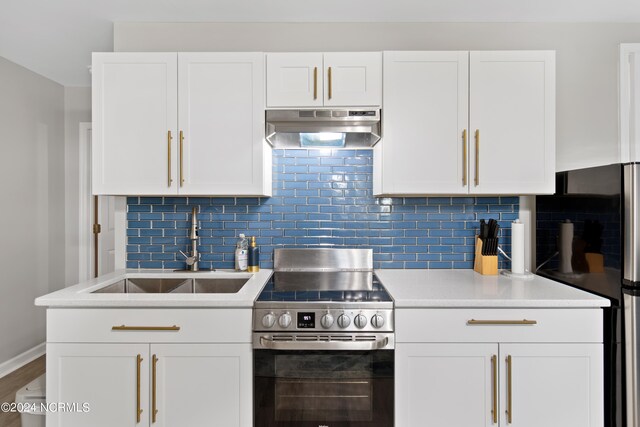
{"x":587,"y":60}
{"x":32,"y":215}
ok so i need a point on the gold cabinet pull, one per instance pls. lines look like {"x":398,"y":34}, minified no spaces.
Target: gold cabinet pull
{"x":477,"y":177}
{"x":509,"y":392}
{"x":464,"y":157}
{"x":330,"y":83}
{"x":138,"y":408}
{"x":494,"y":388}
{"x":473,"y":322}
{"x":169,"y":138}
{"x":315,"y":83}
{"x":145,"y":328}
{"x":181,"y":159}
{"x":154,"y":408}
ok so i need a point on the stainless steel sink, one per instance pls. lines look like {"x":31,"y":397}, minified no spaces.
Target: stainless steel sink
{"x":159,"y":286}
{"x":218,"y":286}
{"x":228,"y":285}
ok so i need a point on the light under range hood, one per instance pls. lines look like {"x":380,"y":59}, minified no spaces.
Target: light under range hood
{"x":326,"y":128}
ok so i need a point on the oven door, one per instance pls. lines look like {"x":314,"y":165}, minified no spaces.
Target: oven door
{"x":314,"y":388}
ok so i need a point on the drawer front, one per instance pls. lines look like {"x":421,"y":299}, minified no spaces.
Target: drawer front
{"x":499,"y":325}
{"x":142,"y":325}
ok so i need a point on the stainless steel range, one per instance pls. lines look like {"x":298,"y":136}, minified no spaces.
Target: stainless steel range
{"x":323,"y":340}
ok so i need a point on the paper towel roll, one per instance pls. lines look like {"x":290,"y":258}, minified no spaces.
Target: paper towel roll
{"x":565,"y":246}
{"x":517,"y":247}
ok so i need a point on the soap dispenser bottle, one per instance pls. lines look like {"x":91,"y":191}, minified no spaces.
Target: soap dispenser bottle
{"x":254,"y":256}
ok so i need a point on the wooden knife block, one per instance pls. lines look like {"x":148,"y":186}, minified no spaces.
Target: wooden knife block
{"x":484,"y":264}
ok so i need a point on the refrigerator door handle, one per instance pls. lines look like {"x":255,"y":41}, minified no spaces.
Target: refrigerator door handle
{"x":631,"y":237}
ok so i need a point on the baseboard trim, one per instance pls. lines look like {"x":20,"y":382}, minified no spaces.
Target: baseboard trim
{"x":22,"y":359}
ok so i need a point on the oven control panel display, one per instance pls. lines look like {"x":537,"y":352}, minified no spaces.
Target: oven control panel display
{"x":306,"y":320}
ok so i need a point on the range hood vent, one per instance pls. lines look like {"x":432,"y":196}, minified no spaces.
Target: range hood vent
{"x":339,"y":128}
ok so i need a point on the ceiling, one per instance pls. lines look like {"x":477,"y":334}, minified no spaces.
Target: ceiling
{"x":55,"y":38}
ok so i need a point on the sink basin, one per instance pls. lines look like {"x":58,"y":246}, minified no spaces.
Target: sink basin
{"x":218,"y":286}
{"x":158,"y":286}
{"x":174,"y":286}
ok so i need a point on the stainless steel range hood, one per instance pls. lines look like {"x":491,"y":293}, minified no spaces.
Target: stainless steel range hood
{"x":334,"y":128}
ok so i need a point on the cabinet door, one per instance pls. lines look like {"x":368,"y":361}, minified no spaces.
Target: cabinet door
{"x":200,"y":385}
{"x":221,"y":141}
{"x":108,"y":377}
{"x":135,"y":102}
{"x":512,"y":117}
{"x":423,"y":149}
{"x":551,"y":385}
{"x":294,"y":80}
{"x":451,"y":385}
{"x":352,"y":79}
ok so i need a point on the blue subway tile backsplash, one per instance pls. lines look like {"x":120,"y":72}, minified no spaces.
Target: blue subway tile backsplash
{"x":320,"y":198}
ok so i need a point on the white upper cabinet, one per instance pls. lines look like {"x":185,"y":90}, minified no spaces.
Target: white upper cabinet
{"x":512,"y":120}
{"x":424,"y":123}
{"x":337,"y":79}
{"x":135,"y":117}
{"x":179,"y":124}
{"x":467,"y":123}
{"x":353,"y":79}
{"x":294,"y":80}
{"x":221,"y":136}
{"x":629,"y":102}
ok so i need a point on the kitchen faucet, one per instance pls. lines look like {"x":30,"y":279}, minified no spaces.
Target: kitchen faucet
{"x":193,"y":259}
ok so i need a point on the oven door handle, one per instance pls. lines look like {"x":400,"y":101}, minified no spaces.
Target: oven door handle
{"x":323,"y":345}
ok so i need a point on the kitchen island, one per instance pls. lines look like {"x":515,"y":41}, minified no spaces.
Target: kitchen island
{"x":470,"y":350}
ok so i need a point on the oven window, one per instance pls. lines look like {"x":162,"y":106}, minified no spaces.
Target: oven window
{"x":334,"y":388}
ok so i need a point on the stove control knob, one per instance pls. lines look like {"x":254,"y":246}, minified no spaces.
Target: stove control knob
{"x":269,"y":320}
{"x":344,"y":321}
{"x":360,"y":321}
{"x":327,"y":321}
{"x":285,"y":320}
{"x":377,"y":321}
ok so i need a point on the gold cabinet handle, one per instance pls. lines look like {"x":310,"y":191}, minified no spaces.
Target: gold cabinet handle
{"x":154,"y":408}
{"x":509,"y":392}
{"x":330,"y":83}
{"x":315,"y":83}
{"x":138,"y":408}
{"x":181,"y":159}
{"x":169,"y":138}
{"x":473,"y":322}
{"x":145,"y":328}
{"x":477,"y":177}
{"x":494,"y":387}
{"x":464,"y":157}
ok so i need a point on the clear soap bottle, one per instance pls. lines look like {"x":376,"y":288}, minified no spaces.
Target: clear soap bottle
{"x":242,"y":253}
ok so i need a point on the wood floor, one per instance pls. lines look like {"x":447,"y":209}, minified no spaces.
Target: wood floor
{"x":14,"y":382}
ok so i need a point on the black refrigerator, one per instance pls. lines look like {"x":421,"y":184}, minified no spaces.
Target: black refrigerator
{"x":588,"y":237}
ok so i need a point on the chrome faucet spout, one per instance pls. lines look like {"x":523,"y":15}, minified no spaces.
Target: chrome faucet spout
{"x":194,"y":225}
{"x":193,"y":259}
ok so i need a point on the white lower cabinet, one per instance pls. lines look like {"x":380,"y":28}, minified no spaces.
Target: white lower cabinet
{"x":105,"y":376}
{"x":488,"y":371}
{"x":197,"y":384}
{"x":444,"y":384}
{"x":181,"y":375}
{"x":171,"y":385}
{"x":552,"y":385}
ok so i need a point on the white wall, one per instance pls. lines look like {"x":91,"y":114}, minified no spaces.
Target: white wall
{"x":587,"y":60}
{"x":32,"y":222}
{"x":77,"y":107}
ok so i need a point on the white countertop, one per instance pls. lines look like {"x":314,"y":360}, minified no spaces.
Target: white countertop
{"x":408,"y":288}
{"x":466,"y":288}
{"x":81,"y":295}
